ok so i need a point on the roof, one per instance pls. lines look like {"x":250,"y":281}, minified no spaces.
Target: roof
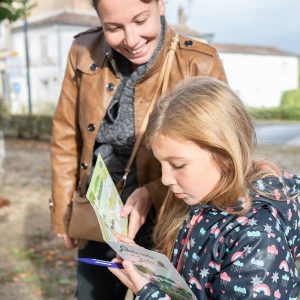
{"x":188,"y":32}
{"x":64,"y":17}
{"x":251,"y":49}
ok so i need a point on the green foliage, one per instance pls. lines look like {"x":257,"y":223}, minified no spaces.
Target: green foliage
{"x":291,"y":99}
{"x":265,"y":113}
{"x":4,"y":109}
{"x":13,"y":10}
{"x":289,"y":108}
{"x":27,"y":126}
{"x":290,"y":113}
{"x":275,"y":113}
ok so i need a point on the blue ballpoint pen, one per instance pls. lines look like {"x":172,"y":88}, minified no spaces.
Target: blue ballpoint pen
{"x":100,"y":263}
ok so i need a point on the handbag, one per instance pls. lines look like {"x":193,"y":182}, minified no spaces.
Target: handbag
{"x":83,"y":223}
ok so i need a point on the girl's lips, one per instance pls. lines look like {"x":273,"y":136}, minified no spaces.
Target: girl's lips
{"x":180,"y":195}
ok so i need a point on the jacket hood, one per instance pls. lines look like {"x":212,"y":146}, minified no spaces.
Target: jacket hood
{"x":282,"y":196}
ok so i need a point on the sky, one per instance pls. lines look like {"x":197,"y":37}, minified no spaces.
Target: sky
{"x":273,"y":23}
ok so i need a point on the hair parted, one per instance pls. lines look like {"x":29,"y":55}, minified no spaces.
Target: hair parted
{"x":96,"y":2}
{"x":207,"y":112}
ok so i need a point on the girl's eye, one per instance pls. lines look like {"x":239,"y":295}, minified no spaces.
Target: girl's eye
{"x":177,"y":166}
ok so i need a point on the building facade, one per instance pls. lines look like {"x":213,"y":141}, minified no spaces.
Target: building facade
{"x":49,"y":40}
{"x":259,"y":75}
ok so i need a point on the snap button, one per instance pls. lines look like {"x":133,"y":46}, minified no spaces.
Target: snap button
{"x":83,"y":165}
{"x":51,"y":204}
{"x":188,"y":43}
{"x":110,"y":86}
{"x":93,"y":67}
{"x":91,"y":127}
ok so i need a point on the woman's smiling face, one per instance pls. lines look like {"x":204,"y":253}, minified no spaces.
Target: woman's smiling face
{"x":132,"y":27}
{"x":190,"y":171}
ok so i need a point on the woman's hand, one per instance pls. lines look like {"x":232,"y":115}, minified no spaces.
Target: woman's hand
{"x":129,"y":276}
{"x":137,"y":207}
{"x":68,"y":241}
{"x":124,"y":239}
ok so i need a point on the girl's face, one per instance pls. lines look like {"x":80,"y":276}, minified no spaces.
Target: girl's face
{"x":131,"y":27}
{"x":189,"y":170}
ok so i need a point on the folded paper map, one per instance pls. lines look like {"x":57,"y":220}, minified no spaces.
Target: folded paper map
{"x":104,"y":197}
{"x":107,"y":204}
{"x":157,"y":268}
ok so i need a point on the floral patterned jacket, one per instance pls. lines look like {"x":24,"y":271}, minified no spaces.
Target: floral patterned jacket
{"x":241,"y":257}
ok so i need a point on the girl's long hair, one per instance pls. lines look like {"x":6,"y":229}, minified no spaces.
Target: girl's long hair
{"x":207,"y":112}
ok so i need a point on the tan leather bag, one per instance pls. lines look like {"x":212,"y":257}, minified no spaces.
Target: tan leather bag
{"x":83,"y":223}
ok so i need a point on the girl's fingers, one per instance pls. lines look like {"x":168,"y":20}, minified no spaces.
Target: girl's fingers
{"x":123,"y":277}
{"x":138,"y":280}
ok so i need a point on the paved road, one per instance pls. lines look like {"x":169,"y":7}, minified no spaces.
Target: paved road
{"x":282,"y":134}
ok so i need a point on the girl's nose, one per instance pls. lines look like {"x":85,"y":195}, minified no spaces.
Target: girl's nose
{"x":167,"y":177}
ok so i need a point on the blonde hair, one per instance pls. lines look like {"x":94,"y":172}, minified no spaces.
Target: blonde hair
{"x":207,"y":112}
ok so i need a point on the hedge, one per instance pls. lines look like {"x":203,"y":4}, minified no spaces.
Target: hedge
{"x":276,"y":113}
{"x":39,"y":127}
{"x":26,"y":126}
{"x":291,"y":99}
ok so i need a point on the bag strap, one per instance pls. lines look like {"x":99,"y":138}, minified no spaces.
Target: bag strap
{"x":163,"y":81}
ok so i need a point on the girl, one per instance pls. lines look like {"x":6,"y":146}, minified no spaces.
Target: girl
{"x":230,"y":224}
{"x":113,"y":72}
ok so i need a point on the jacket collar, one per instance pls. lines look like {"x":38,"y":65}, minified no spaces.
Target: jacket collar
{"x":274,"y":188}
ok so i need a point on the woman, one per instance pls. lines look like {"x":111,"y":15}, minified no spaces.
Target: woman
{"x":231,"y":224}
{"x":111,"y":76}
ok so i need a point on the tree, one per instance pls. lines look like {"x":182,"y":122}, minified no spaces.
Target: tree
{"x":13,"y":10}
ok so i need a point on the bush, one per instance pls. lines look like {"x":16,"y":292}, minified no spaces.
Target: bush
{"x":289,"y":108}
{"x":4,"y":109}
{"x":265,"y":113}
{"x":27,"y":126}
{"x":291,"y":99}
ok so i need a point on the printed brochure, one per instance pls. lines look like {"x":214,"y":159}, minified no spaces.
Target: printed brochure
{"x":107,"y":204}
{"x":104,"y":197}
{"x":157,"y":268}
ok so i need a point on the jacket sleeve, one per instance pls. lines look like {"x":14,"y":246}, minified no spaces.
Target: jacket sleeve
{"x":65,"y":148}
{"x":258,"y":266}
{"x":151,"y":291}
{"x":217,"y":70}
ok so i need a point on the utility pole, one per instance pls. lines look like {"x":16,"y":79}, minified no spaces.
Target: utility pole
{"x":25,"y":26}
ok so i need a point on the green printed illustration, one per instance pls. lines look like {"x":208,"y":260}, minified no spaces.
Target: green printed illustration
{"x":106,"y":202}
{"x":157,"y":268}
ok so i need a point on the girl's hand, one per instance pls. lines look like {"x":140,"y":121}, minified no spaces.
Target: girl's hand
{"x":129,"y":276}
{"x":137,"y":207}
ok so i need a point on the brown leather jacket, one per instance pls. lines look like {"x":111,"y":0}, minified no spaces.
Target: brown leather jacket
{"x":87,"y":89}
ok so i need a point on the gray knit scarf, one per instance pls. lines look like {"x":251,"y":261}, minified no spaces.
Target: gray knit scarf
{"x":116,"y":136}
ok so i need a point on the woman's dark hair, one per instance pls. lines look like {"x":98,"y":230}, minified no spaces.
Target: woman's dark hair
{"x":95,"y":2}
